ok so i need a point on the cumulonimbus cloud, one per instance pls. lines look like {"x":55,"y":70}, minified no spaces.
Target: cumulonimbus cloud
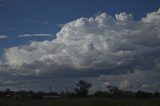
{"x":103,"y":44}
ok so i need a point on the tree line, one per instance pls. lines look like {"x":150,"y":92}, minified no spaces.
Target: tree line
{"x":81,"y":90}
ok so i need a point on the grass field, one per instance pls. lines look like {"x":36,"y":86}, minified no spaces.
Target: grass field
{"x":79,"y":102}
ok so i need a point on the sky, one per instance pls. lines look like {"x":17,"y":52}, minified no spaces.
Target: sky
{"x":58,"y":42}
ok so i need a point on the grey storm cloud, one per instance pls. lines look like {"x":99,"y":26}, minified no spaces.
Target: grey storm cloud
{"x":109,"y":48}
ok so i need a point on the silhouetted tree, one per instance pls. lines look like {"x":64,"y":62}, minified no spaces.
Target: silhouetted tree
{"x":102,"y":94}
{"x":82,"y":88}
{"x":115,"y":91}
{"x":143,"y":94}
{"x":157,"y":94}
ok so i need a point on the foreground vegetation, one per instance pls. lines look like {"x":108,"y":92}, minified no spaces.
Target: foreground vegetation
{"x":79,"y":102}
{"x":79,"y":97}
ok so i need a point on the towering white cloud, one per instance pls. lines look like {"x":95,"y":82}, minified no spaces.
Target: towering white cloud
{"x":152,"y":17}
{"x":102,"y":44}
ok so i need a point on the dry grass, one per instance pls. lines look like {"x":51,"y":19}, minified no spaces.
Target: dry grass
{"x":79,"y":102}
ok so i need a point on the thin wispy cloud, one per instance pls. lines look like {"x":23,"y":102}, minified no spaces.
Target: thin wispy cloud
{"x":35,"y":35}
{"x":1,"y":3}
{"x":60,"y":25}
{"x":38,"y":22}
{"x":3,"y":36}
{"x":7,"y":29}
